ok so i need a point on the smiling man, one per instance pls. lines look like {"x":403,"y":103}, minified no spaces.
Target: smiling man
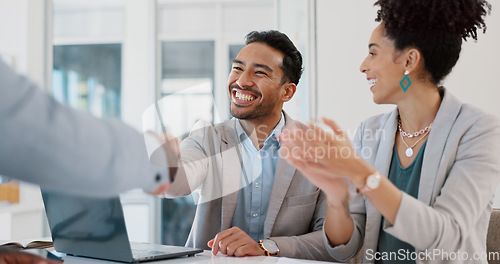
{"x":252,"y":202}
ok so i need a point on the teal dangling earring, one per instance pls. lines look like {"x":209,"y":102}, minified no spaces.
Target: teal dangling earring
{"x":407,"y":80}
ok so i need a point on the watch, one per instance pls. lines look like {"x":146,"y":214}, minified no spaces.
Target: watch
{"x":270,"y":247}
{"x":372,"y":182}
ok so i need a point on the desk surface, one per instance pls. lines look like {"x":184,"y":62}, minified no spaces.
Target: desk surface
{"x":205,"y":258}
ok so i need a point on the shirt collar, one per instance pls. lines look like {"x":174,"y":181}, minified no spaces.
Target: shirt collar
{"x":242,"y":135}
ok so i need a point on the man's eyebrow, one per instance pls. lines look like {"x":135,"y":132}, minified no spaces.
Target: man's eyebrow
{"x":238,"y":62}
{"x":372,"y":45}
{"x":263,"y":66}
{"x":258,"y":65}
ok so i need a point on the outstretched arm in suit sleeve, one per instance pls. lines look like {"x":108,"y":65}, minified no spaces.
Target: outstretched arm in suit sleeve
{"x":59,"y":148}
{"x":194,"y":161}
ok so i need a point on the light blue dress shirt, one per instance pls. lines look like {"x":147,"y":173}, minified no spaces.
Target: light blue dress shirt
{"x":257,"y":170}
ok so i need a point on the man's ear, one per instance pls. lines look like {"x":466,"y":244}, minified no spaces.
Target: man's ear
{"x":288,"y":91}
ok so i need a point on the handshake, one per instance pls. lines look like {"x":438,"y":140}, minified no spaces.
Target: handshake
{"x":163,"y":151}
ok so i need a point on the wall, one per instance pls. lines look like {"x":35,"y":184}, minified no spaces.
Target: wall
{"x":13,"y":32}
{"x":344,"y":29}
{"x":20,"y":45}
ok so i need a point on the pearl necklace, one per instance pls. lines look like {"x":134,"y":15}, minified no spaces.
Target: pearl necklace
{"x":423,"y":132}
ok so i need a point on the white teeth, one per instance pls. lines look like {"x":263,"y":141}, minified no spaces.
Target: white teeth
{"x":244,"y":97}
{"x":372,"y":81}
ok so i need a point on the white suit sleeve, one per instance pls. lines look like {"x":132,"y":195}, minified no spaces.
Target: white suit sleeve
{"x":50,"y":144}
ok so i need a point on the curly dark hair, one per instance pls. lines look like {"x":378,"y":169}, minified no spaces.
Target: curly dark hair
{"x":434,"y":27}
{"x":292,"y":59}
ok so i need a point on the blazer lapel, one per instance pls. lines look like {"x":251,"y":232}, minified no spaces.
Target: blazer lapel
{"x":231,"y":172}
{"x":446,"y":116}
{"x":382,"y":164}
{"x":384,"y":155}
{"x":282,"y":179}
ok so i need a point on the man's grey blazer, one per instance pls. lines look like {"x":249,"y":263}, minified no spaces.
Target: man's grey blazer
{"x":211,"y":165}
{"x":460,"y":174}
{"x":61,"y":149}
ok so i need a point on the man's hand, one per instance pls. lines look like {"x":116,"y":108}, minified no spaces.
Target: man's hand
{"x":326,"y":158}
{"x":18,"y":257}
{"x":160,"y":190}
{"x":235,"y":242}
{"x":164,"y":152}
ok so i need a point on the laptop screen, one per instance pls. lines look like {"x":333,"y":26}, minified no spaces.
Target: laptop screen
{"x":93,"y":227}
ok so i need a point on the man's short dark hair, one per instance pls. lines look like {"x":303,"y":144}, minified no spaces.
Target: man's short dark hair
{"x":292,"y":59}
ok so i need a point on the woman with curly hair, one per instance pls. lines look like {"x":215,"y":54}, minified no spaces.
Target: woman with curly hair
{"x":423,"y":176}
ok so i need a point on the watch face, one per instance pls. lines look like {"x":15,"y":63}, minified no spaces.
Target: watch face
{"x":270,"y":245}
{"x":373,"y":181}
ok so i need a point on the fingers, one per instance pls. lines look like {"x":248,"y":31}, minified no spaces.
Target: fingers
{"x":319,"y":134}
{"x":163,"y":188}
{"x":316,"y":152}
{"x":323,"y":135}
{"x":221,"y":240}
{"x":224,"y":244}
{"x":296,"y":145}
{"x":332,"y":125}
{"x":302,"y":152}
{"x":210,"y":243}
{"x":235,"y":242}
{"x":217,"y":239}
{"x":305,"y":166}
{"x":250,"y":249}
{"x":234,"y":245}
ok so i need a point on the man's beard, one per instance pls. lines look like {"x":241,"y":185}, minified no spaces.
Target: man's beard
{"x":264,"y":109}
{"x":256,"y":114}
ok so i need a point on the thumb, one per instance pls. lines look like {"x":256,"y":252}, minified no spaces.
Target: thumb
{"x":332,"y":125}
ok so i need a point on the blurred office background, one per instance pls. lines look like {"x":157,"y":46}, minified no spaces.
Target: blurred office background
{"x":115,"y":58}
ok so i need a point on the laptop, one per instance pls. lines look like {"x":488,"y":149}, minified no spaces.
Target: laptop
{"x":95,"y":228}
